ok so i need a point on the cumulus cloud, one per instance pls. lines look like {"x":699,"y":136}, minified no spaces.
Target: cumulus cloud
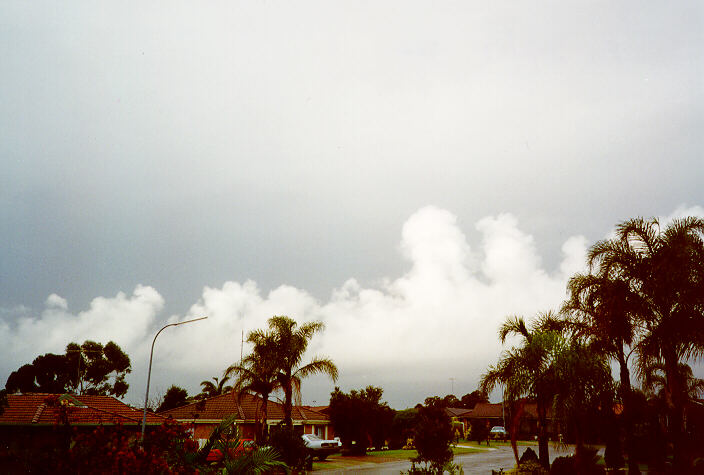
{"x":123,"y":319}
{"x":409,"y":335}
{"x":683,"y":211}
{"x":438,"y":320}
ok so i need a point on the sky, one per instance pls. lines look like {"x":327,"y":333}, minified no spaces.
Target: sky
{"x":409,"y":173}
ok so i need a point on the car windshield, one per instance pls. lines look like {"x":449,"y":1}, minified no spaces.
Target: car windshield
{"x":497,"y":428}
{"x":312,"y":437}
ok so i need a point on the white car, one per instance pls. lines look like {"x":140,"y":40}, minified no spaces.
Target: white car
{"x":498,"y":432}
{"x":321,"y":448}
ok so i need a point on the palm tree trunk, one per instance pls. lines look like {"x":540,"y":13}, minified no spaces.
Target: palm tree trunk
{"x":579,"y":446}
{"x":626,"y":399}
{"x":676,"y":411}
{"x":543,"y":454}
{"x":288,"y":405}
{"x":263,"y":428}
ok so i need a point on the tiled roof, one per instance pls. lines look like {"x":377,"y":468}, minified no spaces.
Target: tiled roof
{"x":488,"y":410}
{"x":485,"y":409}
{"x":458,"y":411}
{"x":247,"y":408}
{"x":320,"y":409}
{"x":35,"y":409}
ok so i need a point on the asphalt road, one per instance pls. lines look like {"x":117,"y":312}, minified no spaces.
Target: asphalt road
{"x":476,"y":463}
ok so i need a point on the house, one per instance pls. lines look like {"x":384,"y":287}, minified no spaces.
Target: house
{"x":488,"y":413}
{"x":34,"y":410}
{"x":499,"y":414}
{"x":37,"y":421}
{"x":459,"y":415}
{"x":204,"y":416}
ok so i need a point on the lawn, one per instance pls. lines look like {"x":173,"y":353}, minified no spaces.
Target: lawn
{"x":498,"y":443}
{"x":339,"y":462}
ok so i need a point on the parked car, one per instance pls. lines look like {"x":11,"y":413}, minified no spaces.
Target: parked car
{"x":498,"y":432}
{"x":320,"y":448}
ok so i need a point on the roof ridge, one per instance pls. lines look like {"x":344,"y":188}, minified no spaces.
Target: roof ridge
{"x":137,"y":419}
{"x":38,"y":413}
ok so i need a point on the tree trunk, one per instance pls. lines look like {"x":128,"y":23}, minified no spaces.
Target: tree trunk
{"x":676,"y":412}
{"x":543,"y":454}
{"x":626,"y":399}
{"x":263,"y":428}
{"x":288,"y":405}
{"x":579,"y":447}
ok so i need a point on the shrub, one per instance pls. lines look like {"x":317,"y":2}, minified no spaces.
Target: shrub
{"x":290,"y":447}
{"x":433,"y":438}
{"x":167,"y":449}
{"x":587,"y":465}
{"x":479,"y":431}
{"x":563,"y":466}
{"x":528,"y":456}
{"x":613,"y":455}
{"x":402,"y":428}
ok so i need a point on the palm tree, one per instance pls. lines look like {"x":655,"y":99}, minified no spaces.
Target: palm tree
{"x":214,"y":389}
{"x":527,"y":370}
{"x":604,"y":312}
{"x":291,"y":345}
{"x":258,"y":373}
{"x":656,"y":387}
{"x":584,"y":389}
{"x":665,"y":269}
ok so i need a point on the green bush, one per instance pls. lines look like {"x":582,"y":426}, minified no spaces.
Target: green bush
{"x":290,"y":447}
{"x":562,"y":466}
{"x":433,"y":435}
{"x":587,"y":465}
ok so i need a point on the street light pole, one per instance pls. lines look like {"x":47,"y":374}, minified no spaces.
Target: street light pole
{"x":149,"y":373}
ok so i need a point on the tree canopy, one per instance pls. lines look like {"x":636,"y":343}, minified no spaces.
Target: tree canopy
{"x":90,"y":368}
{"x":174,"y":397}
{"x":360,"y":417}
{"x":468,"y":401}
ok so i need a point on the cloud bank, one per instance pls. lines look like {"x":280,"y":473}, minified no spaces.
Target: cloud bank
{"x":408,"y":334}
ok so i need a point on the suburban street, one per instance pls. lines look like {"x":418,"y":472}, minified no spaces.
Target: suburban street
{"x":477,"y":463}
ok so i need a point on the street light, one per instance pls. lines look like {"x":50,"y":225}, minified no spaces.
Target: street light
{"x":149,"y":373}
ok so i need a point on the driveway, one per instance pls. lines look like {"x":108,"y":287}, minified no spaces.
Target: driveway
{"x":477,"y":463}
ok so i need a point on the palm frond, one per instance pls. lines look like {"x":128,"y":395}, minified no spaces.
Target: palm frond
{"x":513,"y":325}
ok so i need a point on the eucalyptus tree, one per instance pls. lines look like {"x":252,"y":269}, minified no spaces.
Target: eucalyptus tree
{"x":89,"y":368}
{"x":291,"y":342}
{"x":527,"y":371}
{"x":664,"y":268}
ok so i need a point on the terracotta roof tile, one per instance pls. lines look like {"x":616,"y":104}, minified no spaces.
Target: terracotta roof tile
{"x":458,"y":411}
{"x":45,"y":409}
{"x":488,"y":410}
{"x":485,"y":409}
{"x":248,"y":407}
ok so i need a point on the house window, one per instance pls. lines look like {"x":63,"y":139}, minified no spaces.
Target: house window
{"x":319,"y":431}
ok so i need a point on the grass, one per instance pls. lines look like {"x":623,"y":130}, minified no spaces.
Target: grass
{"x":499,"y":443}
{"x":339,"y":462}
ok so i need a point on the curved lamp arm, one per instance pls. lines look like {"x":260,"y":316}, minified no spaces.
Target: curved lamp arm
{"x":149,"y":373}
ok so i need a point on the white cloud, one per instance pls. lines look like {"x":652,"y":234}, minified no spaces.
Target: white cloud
{"x":409,"y":335}
{"x":437,"y":320}
{"x":682,"y":211}
{"x":123,"y":319}
{"x":56,"y":301}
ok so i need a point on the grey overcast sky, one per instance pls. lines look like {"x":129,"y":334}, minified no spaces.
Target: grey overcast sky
{"x":408,"y":172}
